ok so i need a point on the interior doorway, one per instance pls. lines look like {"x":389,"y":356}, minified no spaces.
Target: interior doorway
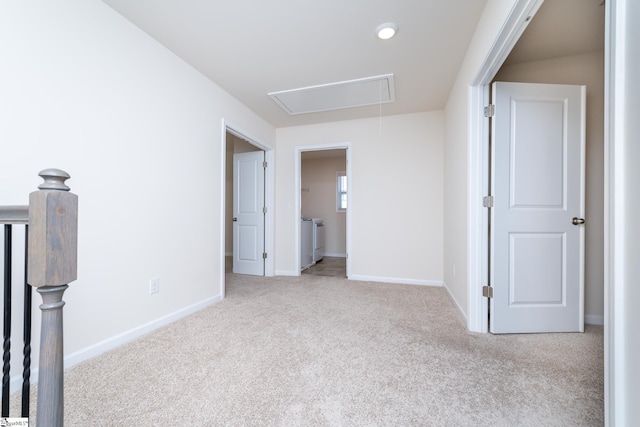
{"x":323,"y":203}
{"x":323,"y":196}
{"x":500,"y":66}
{"x":234,"y":145}
{"x":236,"y":142}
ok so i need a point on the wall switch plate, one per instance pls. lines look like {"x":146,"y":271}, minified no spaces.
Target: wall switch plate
{"x":154,"y":285}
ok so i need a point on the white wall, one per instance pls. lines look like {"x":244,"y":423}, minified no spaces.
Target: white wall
{"x":586,"y":69}
{"x":140,"y":132}
{"x":319,"y":200}
{"x":396,"y":191}
{"x":456,"y":159}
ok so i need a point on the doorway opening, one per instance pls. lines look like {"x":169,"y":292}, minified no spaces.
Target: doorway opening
{"x":323,"y":198}
{"x":572,"y":69}
{"x":323,"y":203}
{"x":257,"y":241}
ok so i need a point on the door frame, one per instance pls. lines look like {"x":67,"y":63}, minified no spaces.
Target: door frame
{"x":298,"y":198}
{"x":269,"y":198}
{"x":620,"y":314}
{"x":478,"y":178}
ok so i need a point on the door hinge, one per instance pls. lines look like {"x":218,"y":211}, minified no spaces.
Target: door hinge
{"x":264,"y":255}
{"x":487,"y":291}
{"x":490,"y":110}
{"x":487,"y":201}
{"x":264,"y":209}
{"x":264,"y":164}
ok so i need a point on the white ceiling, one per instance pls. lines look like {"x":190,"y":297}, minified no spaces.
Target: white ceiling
{"x":253,"y":47}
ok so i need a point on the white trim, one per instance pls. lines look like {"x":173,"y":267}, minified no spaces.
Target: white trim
{"x":336,"y":254}
{"x":463,"y":317}
{"x":514,"y":26}
{"x":269,"y":197}
{"x":477,"y":239}
{"x":287,"y":273}
{"x":120,"y":339}
{"x":477,"y":244}
{"x":396,"y":280}
{"x":618,"y":403}
{"x":298,"y":199}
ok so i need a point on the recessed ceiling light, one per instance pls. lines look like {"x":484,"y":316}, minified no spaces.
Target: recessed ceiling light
{"x":387,"y":30}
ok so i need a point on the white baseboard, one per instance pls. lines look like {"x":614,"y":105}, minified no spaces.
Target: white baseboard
{"x":118,"y":340}
{"x":396,"y":280}
{"x":336,"y":254}
{"x":287,"y":273}
{"x":456,"y":305}
{"x":591,"y":319}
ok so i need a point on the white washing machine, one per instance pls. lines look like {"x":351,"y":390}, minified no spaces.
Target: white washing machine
{"x":306,"y":243}
{"x":318,"y":239}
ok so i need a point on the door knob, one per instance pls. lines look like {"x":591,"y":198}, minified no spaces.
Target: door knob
{"x":235,"y":219}
{"x":577,"y":221}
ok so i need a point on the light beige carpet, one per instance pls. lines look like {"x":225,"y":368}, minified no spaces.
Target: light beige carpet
{"x":322,"y":351}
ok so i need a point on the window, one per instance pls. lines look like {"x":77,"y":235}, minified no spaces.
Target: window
{"x":342,"y":191}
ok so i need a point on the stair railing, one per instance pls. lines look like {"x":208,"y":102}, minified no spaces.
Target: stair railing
{"x":51,"y":249}
{"x":52,"y":265}
{"x":9,"y":217}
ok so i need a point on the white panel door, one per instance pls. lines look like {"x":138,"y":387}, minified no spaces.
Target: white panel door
{"x":248,"y":214}
{"x":537,"y":252}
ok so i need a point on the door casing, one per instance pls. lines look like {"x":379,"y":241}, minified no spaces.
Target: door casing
{"x":478,"y":176}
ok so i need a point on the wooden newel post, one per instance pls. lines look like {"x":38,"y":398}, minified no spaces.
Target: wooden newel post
{"x":53,"y":238}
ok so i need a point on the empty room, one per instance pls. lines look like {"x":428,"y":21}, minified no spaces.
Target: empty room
{"x":330,"y":213}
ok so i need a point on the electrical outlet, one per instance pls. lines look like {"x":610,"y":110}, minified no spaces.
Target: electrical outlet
{"x":154,"y":285}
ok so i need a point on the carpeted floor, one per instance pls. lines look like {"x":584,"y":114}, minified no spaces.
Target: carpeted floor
{"x":324,"y":351}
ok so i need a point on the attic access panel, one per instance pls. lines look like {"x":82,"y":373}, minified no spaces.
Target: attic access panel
{"x":334,"y":96}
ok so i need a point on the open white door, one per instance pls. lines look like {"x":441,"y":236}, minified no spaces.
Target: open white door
{"x":248,"y":213}
{"x":537,"y":235}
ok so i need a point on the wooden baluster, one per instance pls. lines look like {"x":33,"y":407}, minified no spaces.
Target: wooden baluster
{"x":53,"y":237}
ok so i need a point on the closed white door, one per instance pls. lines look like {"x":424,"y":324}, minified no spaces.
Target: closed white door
{"x":537,"y":231}
{"x":248,"y":213}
